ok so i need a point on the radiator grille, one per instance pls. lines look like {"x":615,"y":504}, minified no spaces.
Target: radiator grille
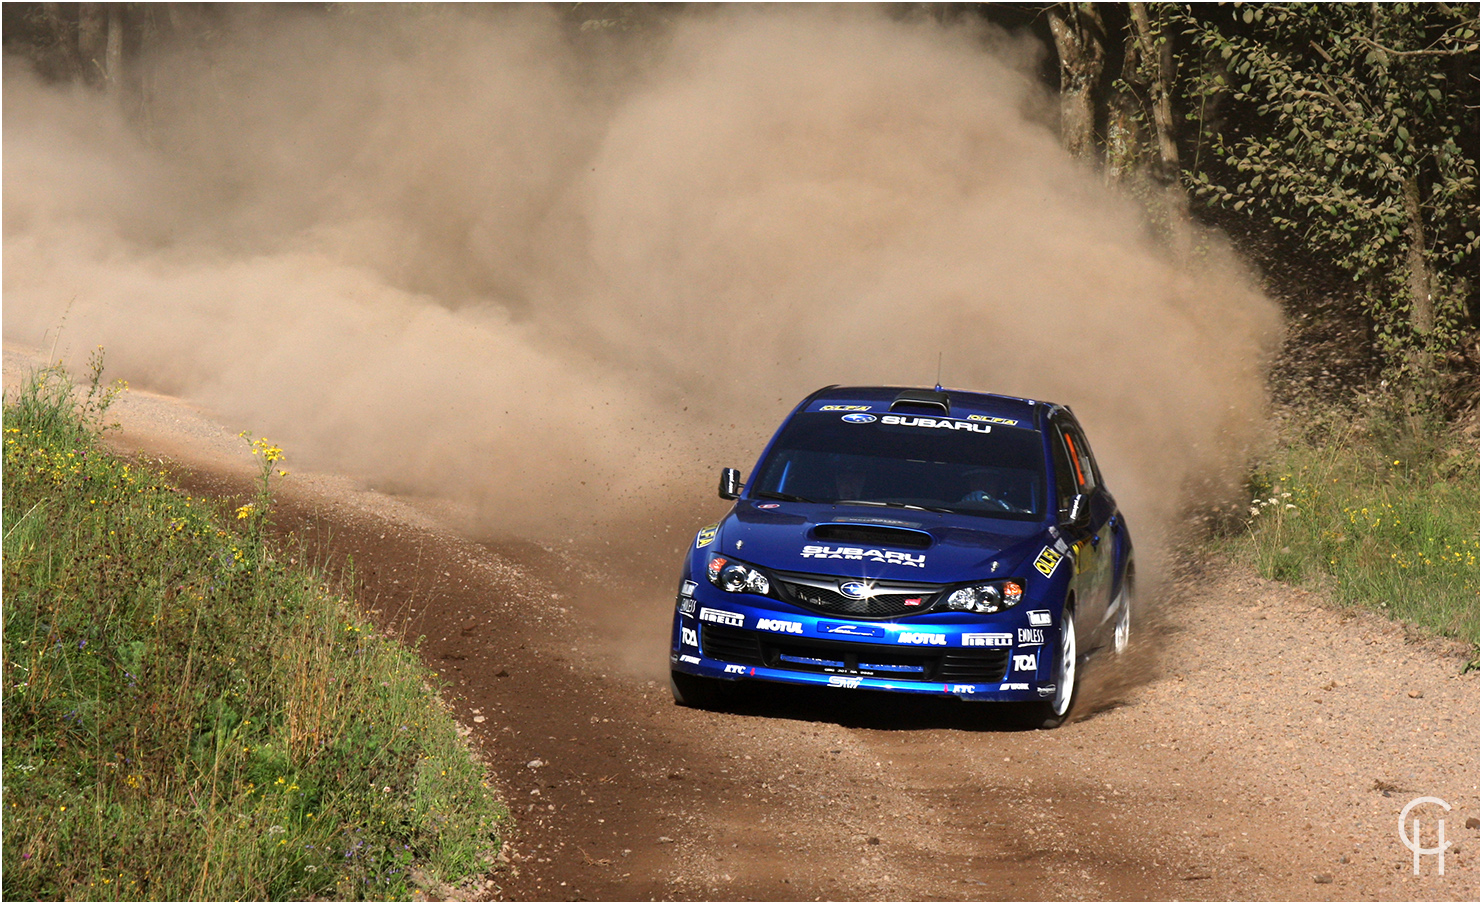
{"x":888,"y":599}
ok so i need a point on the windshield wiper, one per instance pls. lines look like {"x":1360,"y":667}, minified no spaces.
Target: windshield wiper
{"x":785,"y":497}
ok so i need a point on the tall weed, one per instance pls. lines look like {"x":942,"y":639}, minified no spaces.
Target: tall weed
{"x":1383,"y":515}
{"x":191,"y":714}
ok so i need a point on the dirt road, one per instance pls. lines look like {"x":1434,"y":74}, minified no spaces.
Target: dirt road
{"x":1257,"y":745}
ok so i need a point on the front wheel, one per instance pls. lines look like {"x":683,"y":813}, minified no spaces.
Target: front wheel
{"x":1053,"y":712}
{"x":1122,"y":633}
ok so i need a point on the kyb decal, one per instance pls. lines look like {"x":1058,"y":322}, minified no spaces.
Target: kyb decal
{"x":722,"y":617}
{"x":687,"y":588}
{"x":935,"y":423}
{"x":777,"y":624}
{"x":858,"y":554}
{"x":987,"y":640}
{"x":922,"y":637}
{"x":1040,"y":618}
{"x":1047,"y":560}
{"x":706,"y":536}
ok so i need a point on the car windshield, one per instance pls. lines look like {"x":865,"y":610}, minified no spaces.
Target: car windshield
{"x":904,"y":460}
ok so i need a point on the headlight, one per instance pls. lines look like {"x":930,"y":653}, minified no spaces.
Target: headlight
{"x":736,"y":577}
{"x":994,"y":596}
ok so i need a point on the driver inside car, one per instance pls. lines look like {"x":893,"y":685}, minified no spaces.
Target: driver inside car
{"x":850,"y":483}
{"x":984,"y":485}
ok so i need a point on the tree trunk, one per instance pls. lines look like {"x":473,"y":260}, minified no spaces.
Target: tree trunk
{"x":1156,"y":51}
{"x":1155,"y":61}
{"x":1420,"y":285}
{"x":62,"y":34}
{"x":92,"y":40}
{"x":1079,"y":37}
{"x":1126,"y":138}
{"x":1417,"y":272}
{"x":113,"y":56}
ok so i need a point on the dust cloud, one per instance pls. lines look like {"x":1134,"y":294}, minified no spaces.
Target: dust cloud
{"x":472,"y":254}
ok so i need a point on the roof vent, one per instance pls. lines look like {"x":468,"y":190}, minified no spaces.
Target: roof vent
{"x":923,"y":398}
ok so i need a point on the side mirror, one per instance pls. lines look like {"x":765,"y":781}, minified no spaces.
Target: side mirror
{"x":730,"y":483}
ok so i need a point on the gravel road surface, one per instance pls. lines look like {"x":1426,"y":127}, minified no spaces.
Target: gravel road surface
{"x":1257,"y":743}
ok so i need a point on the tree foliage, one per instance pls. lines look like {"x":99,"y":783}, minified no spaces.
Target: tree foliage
{"x":1351,"y":127}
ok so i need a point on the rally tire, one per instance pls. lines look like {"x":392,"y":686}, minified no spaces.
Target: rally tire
{"x":1053,"y":712}
{"x":1122,"y":633}
{"x":693,"y":691}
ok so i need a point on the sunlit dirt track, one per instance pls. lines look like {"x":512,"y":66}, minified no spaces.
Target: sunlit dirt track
{"x":1195,"y":785}
{"x":1264,"y":750}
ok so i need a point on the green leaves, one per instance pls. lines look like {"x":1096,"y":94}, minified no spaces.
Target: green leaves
{"x":1339,"y":110}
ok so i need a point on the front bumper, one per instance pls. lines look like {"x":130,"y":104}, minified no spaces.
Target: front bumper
{"x":1003,"y":657}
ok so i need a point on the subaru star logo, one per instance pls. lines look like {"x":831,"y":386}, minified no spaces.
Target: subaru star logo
{"x":855,"y":590}
{"x":858,"y":418}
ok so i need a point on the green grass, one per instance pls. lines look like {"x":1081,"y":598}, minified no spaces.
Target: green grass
{"x":1381,"y":516}
{"x":191,"y":714}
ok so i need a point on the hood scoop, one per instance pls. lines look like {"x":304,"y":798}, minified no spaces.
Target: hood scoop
{"x":873,"y":535}
{"x":933,"y":400}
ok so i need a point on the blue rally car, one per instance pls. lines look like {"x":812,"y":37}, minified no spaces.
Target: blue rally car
{"x":918,"y":541}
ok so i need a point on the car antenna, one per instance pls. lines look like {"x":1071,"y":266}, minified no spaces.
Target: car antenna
{"x":939,"y":371}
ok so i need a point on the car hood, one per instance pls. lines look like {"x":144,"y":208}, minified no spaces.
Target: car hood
{"x":877,"y":543}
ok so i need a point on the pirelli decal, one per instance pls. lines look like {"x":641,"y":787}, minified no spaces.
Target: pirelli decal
{"x":1046,"y":561}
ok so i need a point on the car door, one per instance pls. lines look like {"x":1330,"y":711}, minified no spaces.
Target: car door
{"x":1092,"y":539}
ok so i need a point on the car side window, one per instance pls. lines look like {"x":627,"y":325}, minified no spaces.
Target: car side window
{"x":1081,"y":462}
{"x":1065,"y":482}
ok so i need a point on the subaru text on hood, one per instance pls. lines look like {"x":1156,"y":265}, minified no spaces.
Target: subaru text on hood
{"x":918,"y":541}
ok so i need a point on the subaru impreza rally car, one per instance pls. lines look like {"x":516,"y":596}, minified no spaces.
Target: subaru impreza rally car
{"x":918,"y":541}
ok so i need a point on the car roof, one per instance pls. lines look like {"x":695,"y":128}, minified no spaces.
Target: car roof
{"x":953,"y":403}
